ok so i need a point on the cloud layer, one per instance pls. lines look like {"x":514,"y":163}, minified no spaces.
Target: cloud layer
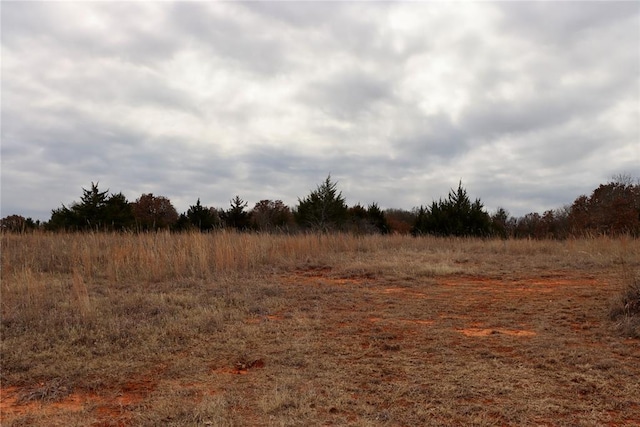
{"x":530,"y":104}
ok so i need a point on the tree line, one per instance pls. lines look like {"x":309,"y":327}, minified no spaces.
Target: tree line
{"x":611,"y":209}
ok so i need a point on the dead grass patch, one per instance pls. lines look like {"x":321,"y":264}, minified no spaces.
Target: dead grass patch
{"x":625,"y":310}
{"x":314,"y":330}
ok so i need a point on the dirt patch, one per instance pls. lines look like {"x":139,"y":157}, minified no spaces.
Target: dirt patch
{"x":485,"y":332}
{"x":12,"y":405}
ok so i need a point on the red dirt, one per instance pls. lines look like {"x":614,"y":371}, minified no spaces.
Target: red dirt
{"x":109,"y":406}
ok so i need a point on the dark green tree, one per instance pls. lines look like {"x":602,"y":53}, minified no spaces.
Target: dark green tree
{"x":378,"y":219}
{"x":118,"y":213}
{"x":96,"y":211}
{"x":203,"y":218}
{"x":91,"y":211}
{"x":502,"y":223}
{"x":236,"y":216}
{"x":358,"y":220}
{"x":422,"y":221}
{"x":323,"y":210}
{"x":455,"y":216}
{"x":367,"y":220}
{"x":62,"y":218}
{"x":182,"y":224}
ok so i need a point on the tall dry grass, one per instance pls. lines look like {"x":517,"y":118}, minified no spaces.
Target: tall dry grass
{"x":40,"y":269}
{"x":157,"y":257}
{"x":92,"y":311}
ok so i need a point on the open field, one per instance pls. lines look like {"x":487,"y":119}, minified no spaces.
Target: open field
{"x":231,"y":329}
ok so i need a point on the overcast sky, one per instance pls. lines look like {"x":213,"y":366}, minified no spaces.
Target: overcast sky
{"x":529,"y":104}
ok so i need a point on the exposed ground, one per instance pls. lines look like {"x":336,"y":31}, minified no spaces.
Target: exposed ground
{"x":445,"y":332}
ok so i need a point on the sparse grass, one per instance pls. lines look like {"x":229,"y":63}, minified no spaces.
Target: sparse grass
{"x":240,"y":329}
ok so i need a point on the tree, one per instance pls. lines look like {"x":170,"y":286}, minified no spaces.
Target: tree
{"x":92,"y":208}
{"x":400,"y":221}
{"x":529,"y":226}
{"x":269,"y":215}
{"x":579,"y":221}
{"x":18,"y":224}
{"x":324,"y":209}
{"x":154,"y":212}
{"x":236,"y":216}
{"x":456,"y":216}
{"x":118,"y":214}
{"x":367,"y":220}
{"x":358,"y":221}
{"x":203,"y":218}
{"x":612,"y":209}
{"x":63,"y":218}
{"x":423,"y":220}
{"x":97,"y":211}
{"x":501,"y":223}
{"x":378,"y":219}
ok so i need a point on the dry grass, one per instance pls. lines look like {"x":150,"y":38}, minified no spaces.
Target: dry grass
{"x":239,"y":329}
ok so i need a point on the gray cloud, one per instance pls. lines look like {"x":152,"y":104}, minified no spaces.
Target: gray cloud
{"x":530,"y":104}
{"x":347,"y":96}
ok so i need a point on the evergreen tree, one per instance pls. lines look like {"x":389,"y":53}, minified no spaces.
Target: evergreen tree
{"x":236,"y":216}
{"x":63,"y":218}
{"x":367,"y":220}
{"x":456,"y":216}
{"x":324,"y":209}
{"x":378,"y":219}
{"x":203,"y":218}
{"x":96,"y":211}
{"x":91,"y":210}
{"x":118,"y":214}
{"x":358,"y":221}
{"x":183,"y":223}
{"x":501,"y":223}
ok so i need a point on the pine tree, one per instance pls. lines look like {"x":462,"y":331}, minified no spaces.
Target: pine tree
{"x":90,"y":212}
{"x":456,"y":216}
{"x":237,"y":217}
{"x":324,"y":209}
{"x":203,"y":218}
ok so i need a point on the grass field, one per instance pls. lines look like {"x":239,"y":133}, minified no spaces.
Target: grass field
{"x":257,"y":330}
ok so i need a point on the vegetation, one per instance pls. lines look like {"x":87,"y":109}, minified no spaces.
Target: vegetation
{"x":119,"y":313}
{"x":154,"y":213}
{"x":324,"y":209}
{"x":270,"y":215}
{"x":97,"y":211}
{"x":456,"y":216}
{"x":232,"y":328}
{"x":612,"y":209}
{"x":236,"y":216}
{"x":199,"y":217}
{"x":626,"y":309}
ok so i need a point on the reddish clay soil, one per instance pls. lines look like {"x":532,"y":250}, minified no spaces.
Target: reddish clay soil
{"x":116,"y":406}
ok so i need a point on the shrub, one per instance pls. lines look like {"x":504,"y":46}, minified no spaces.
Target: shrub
{"x":626,"y":310}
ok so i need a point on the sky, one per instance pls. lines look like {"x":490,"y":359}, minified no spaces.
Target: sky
{"x":528,"y":104}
